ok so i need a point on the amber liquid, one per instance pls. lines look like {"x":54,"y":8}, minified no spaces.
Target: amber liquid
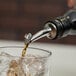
{"x":24,"y":50}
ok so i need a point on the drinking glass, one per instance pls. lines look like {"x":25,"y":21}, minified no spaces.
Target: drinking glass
{"x":35,"y":63}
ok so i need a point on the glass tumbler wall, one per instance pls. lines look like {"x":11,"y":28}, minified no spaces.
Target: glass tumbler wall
{"x":35,"y":63}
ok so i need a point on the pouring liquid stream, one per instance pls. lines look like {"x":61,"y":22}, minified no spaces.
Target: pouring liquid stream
{"x":24,"y":50}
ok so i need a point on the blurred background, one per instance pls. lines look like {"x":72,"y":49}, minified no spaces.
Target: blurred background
{"x":18,"y":17}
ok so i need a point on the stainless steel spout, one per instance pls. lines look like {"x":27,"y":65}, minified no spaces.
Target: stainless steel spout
{"x":41,"y":34}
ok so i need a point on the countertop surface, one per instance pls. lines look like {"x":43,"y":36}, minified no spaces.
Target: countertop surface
{"x":63,"y":59}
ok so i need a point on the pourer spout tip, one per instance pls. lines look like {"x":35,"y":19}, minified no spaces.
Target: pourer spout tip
{"x":31,"y":38}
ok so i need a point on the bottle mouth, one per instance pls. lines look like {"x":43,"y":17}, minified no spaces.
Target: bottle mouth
{"x":53,"y":32}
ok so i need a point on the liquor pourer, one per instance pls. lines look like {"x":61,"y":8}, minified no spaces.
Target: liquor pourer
{"x":46,"y":32}
{"x":41,"y":34}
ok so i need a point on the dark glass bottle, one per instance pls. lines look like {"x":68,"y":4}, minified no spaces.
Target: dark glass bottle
{"x":63,"y":25}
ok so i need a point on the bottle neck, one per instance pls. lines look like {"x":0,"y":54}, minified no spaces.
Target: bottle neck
{"x":63,"y":26}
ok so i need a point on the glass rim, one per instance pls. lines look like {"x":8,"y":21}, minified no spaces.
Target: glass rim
{"x":47,"y":51}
